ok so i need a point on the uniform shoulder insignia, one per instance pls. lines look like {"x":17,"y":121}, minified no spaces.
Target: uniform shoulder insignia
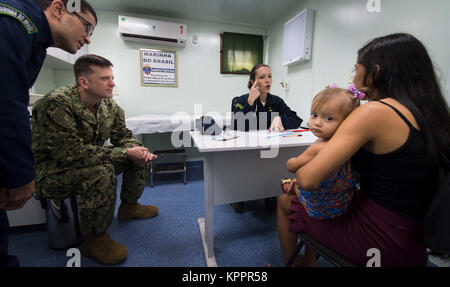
{"x":239,"y":106}
{"x":20,"y":16}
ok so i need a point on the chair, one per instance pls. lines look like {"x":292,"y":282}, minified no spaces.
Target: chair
{"x":328,"y":254}
{"x":321,"y":250}
{"x":233,"y":103}
{"x":63,"y":223}
{"x":170,"y":167}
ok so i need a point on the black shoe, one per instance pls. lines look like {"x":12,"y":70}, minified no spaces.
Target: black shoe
{"x":270,"y":204}
{"x":238,"y":207}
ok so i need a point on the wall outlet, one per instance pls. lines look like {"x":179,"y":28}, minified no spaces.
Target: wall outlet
{"x":285,"y":85}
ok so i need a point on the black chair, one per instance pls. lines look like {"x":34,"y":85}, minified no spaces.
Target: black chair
{"x":321,"y":250}
{"x":328,"y":254}
{"x":174,"y":167}
{"x":233,"y":103}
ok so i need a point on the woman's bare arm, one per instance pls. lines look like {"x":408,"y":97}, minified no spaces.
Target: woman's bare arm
{"x":358,"y":129}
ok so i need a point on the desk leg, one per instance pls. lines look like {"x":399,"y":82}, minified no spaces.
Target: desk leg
{"x":206,"y":224}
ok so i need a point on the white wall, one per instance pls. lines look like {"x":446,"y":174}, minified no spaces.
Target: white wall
{"x":45,"y":80}
{"x":342,"y":27}
{"x":199,"y":78}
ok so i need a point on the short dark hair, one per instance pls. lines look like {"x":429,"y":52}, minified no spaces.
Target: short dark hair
{"x":84,"y":6}
{"x":253,"y":74}
{"x":399,"y":67}
{"x":82,"y":66}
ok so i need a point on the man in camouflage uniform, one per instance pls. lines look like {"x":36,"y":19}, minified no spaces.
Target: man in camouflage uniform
{"x":70,"y":126}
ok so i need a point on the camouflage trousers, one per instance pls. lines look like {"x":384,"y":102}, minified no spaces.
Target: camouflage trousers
{"x":95,"y":187}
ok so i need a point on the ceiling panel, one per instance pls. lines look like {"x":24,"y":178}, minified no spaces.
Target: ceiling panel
{"x":249,"y":12}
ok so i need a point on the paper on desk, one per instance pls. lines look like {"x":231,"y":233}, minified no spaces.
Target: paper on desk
{"x":279,"y":134}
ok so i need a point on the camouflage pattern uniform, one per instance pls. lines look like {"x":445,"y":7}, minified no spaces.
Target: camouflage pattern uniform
{"x":70,"y":156}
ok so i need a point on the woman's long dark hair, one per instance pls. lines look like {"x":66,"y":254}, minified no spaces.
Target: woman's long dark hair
{"x":406,"y":74}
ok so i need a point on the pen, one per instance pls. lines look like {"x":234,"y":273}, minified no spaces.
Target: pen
{"x":290,"y":136}
{"x":296,"y":131}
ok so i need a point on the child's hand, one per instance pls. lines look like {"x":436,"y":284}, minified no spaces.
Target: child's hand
{"x":288,"y":185}
{"x":290,"y":164}
{"x":293,"y":187}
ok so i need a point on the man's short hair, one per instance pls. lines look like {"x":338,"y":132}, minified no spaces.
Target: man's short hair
{"x":84,"y":6}
{"x":82,"y":66}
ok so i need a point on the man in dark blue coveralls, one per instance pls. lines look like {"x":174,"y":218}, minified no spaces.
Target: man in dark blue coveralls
{"x":27,"y":29}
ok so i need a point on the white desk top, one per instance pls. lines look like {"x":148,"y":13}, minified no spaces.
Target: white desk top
{"x":250,"y":140}
{"x":162,"y":123}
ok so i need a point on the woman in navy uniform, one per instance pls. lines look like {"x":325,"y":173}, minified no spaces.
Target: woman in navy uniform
{"x":263,"y":105}
{"x":260,"y":110}
{"x":27,"y":29}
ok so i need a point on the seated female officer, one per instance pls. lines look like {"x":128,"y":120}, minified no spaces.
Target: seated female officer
{"x":260,"y":110}
{"x":263,"y":105}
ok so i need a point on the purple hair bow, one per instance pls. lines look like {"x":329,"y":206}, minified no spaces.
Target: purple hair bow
{"x":358,"y":94}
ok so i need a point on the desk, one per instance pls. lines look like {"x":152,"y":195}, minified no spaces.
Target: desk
{"x":162,"y":123}
{"x":242,"y":169}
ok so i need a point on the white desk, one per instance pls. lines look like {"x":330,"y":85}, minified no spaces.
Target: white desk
{"x":162,"y":123}
{"x":242,"y":169}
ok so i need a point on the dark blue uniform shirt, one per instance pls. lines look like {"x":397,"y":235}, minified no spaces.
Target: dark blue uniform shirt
{"x":24,"y":37}
{"x":274,"y":104}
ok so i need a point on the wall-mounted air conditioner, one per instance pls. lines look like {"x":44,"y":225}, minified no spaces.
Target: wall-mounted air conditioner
{"x":146,"y":30}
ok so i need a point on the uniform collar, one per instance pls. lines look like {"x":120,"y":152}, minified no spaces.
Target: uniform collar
{"x":268,"y":100}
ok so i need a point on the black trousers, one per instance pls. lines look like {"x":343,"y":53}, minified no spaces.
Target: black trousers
{"x":5,"y":259}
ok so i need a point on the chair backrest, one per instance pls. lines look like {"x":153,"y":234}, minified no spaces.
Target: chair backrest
{"x":233,"y":103}
{"x":437,"y":229}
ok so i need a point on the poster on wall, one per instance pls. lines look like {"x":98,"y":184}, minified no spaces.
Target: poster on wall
{"x":159,"y":68}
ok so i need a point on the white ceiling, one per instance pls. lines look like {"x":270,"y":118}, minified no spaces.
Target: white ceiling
{"x":249,"y":12}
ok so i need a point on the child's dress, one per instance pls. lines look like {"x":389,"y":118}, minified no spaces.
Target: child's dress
{"x":333,"y":196}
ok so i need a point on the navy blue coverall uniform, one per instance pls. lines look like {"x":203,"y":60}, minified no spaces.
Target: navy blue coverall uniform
{"x":274,"y":104}
{"x":24,"y":37}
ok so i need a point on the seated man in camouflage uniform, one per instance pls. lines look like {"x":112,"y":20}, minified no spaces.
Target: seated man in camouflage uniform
{"x":70,"y":126}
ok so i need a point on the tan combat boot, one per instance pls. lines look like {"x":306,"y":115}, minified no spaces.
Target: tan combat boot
{"x":105,"y":250}
{"x":136,"y":210}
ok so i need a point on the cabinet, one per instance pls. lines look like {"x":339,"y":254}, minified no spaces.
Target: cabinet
{"x":32,"y":213}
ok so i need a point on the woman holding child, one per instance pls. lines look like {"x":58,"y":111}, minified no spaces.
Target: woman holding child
{"x":397,"y":143}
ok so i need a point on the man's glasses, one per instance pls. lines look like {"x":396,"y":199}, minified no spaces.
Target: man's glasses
{"x":89,"y":26}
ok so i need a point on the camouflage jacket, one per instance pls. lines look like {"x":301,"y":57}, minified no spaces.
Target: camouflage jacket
{"x":67,"y":135}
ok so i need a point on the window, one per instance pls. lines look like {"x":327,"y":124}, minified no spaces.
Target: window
{"x":240,"y":52}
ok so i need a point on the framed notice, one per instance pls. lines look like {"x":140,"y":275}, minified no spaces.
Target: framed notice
{"x":159,"y":68}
